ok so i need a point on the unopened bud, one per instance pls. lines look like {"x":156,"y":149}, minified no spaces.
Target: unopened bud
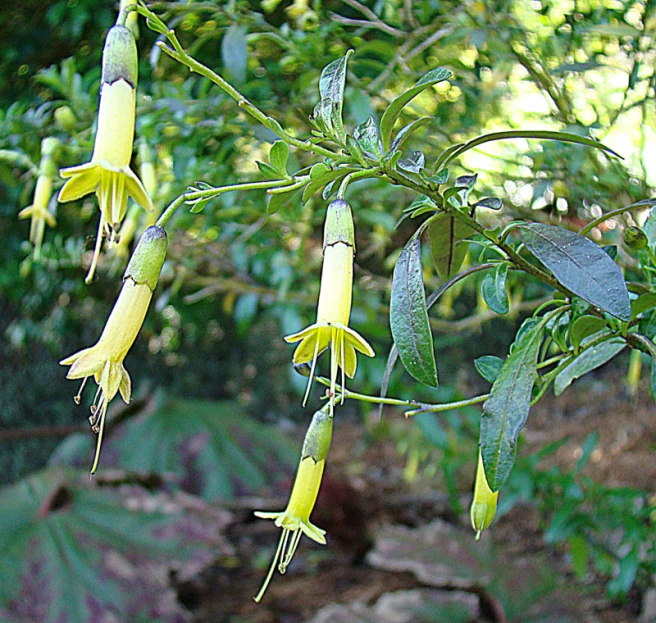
{"x":147,"y":259}
{"x":120,"y":57}
{"x":635,"y":239}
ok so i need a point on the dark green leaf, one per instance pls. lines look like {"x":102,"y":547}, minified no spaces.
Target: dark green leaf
{"x":588,"y":360}
{"x":319,"y":182}
{"x":583,"y":327}
{"x":409,"y":317}
{"x":420,"y":205}
{"x":643,"y":303}
{"x":489,"y":367}
{"x":278,"y":156}
{"x":580,"y":265}
{"x":234,"y":52}
{"x":406,"y":131}
{"x":491,"y":203}
{"x":648,"y":324}
{"x":393,"y":111}
{"x":414,"y":163}
{"x":494,"y":291}
{"x":445,"y":234}
{"x":441,"y":177}
{"x":368,"y":138}
{"x":454,"y":151}
{"x":506,"y":410}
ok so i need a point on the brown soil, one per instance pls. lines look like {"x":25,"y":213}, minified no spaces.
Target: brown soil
{"x":363,"y":489}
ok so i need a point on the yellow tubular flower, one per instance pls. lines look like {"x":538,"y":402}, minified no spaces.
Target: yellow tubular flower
{"x":38,"y":211}
{"x":109,"y":174}
{"x":104,"y":361}
{"x":334,"y":309}
{"x":484,"y":504}
{"x":296,"y":517}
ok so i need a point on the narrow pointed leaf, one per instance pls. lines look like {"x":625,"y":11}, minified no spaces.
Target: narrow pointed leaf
{"x":409,"y":316}
{"x":494,"y":291}
{"x":506,"y":410}
{"x":331,"y":88}
{"x":446,"y":234}
{"x":393,"y":111}
{"x":581,"y":266}
{"x":588,"y":360}
{"x":406,"y":131}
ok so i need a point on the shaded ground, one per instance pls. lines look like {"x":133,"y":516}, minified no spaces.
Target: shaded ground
{"x":364,"y":494}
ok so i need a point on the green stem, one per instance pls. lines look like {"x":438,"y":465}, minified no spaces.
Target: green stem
{"x":448,"y":406}
{"x":179,"y":54}
{"x":356,"y":175}
{"x":604,"y":217}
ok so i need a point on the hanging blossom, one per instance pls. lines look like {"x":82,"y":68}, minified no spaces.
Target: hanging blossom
{"x":295,"y":519}
{"x":39,"y":210}
{"x":104,"y":361}
{"x":108,"y":174}
{"x":484,"y":504}
{"x":334,"y":308}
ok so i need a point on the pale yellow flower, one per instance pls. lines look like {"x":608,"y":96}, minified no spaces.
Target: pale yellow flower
{"x":295,"y":519}
{"x":108,"y":174}
{"x":334,"y":308}
{"x":484,"y":504}
{"x":104,"y":360}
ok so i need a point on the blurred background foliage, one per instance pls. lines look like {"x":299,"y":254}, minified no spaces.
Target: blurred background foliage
{"x":237,"y":278}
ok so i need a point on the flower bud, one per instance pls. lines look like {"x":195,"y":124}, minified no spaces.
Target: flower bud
{"x":484,"y":504}
{"x":147,"y":259}
{"x":635,"y":239}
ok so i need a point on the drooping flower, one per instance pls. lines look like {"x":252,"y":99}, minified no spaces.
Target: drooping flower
{"x":295,"y":519}
{"x":104,"y":360}
{"x":334,"y":308}
{"x":108,"y":174}
{"x":484,"y":504}
{"x":38,"y":211}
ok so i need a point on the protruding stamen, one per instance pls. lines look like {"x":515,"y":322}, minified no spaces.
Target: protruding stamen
{"x":78,"y":397}
{"x":274,"y":562}
{"x":287,"y":557}
{"x":314,"y":364}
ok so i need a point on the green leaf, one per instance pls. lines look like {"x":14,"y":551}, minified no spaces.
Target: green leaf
{"x":489,"y":367}
{"x":404,"y":133}
{"x":319,"y":182}
{"x":491,"y":203}
{"x":506,"y":410}
{"x":409,"y":316}
{"x":414,"y":163}
{"x":445,"y":234}
{"x":454,"y":151}
{"x":75,"y":551}
{"x":368,"y":138}
{"x":580,"y":265}
{"x":215,"y":445}
{"x":588,"y":360}
{"x":648,"y":324}
{"x":278,"y":156}
{"x":393,"y":111}
{"x":331,"y":88}
{"x":441,"y":177}
{"x":643,"y":303}
{"x":494,"y":290}
{"x":583,"y":327}
{"x":420,"y":205}
{"x":234,"y":52}
{"x":267,"y":170}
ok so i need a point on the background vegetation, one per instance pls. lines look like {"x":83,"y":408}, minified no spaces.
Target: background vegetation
{"x":239,"y":277}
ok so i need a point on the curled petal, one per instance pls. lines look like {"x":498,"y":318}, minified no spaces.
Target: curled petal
{"x":350,"y":360}
{"x":84,"y":363}
{"x":358,"y":342}
{"x":137,"y":191}
{"x":84,"y":179}
{"x":314,"y":533}
{"x":125,"y":386}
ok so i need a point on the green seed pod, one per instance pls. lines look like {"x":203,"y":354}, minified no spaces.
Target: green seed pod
{"x":147,"y":259}
{"x":318,"y":436}
{"x":120,"y":57}
{"x":635,"y":239}
{"x":339,"y":225}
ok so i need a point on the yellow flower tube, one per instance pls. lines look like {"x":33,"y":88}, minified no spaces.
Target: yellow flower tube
{"x":108,"y":174}
{"x":334,"y":308}
{"x":104,"y":360}
{"x":296,"y":517}
{"x":484,"y":504}
{"x":38,"y":211}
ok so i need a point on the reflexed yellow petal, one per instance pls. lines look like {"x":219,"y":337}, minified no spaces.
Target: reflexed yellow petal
{"x":85,"y":363}
{"x":125,"y":386}
{"x":305,"y":350}
{"x":350,"y":360}
{"x":358,"y":342}
{"x":267,"y":515}
{"x":316,"y":534}
{"x":301,"y":335}
{"x":84,"y":180}
{"x":137,"y":191}
{"x":26,"y":212}
{"x":50,"y":219}
{"x":110,"y":379}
